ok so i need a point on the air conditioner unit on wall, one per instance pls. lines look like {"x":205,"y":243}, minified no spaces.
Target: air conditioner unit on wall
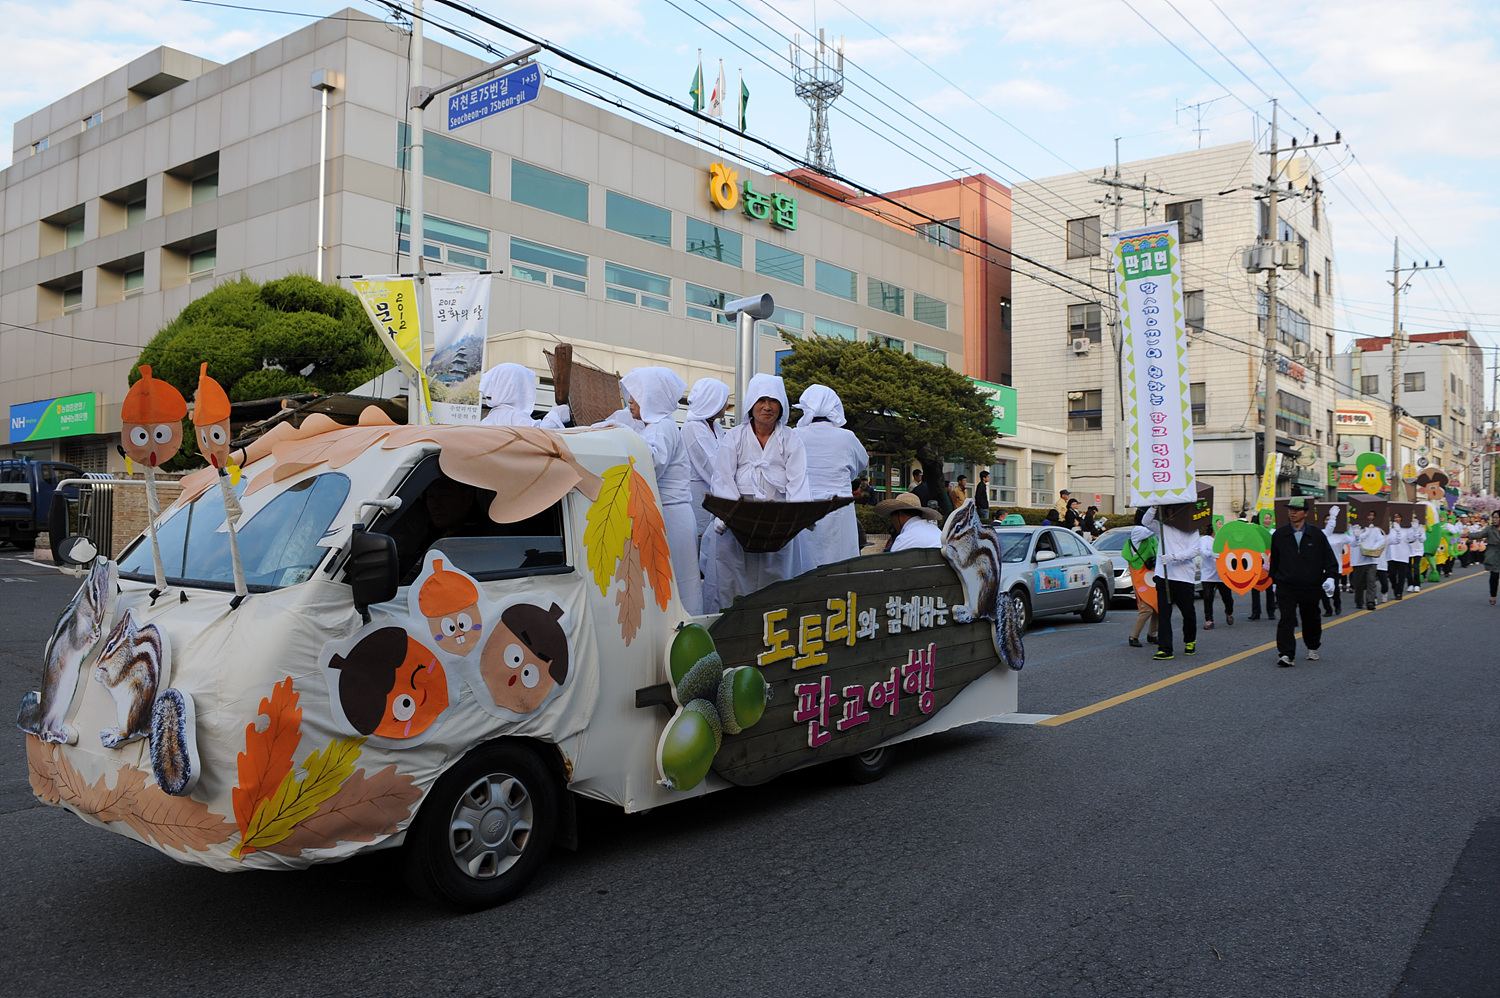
{"x":1081,"y":346}
{"x":1299,"y":349}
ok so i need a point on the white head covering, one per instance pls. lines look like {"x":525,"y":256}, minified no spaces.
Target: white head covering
{"x":765,"y":386}
{"x":707,"y":398}
{"x":820,"y":400}
{"x":512,"y":385}
{"x":656,"y":390}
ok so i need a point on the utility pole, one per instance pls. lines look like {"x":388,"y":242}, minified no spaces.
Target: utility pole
{"x":1398,"y":343}
{"x":1117,"y":200}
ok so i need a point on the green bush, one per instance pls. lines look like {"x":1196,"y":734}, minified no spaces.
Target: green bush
{"x":871,"y":521}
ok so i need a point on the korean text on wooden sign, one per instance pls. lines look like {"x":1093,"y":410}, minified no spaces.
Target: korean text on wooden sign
{"x":826,"y":707}
{"x":1158,"y":399}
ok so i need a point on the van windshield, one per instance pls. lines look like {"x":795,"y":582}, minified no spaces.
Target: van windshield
{"x":278,"y":545}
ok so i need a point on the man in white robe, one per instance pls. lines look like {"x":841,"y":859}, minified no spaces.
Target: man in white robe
{"x":625,"y":417}
{"x":701,"y":433}
{"x":758,"y":459}
{"x":912,"y":524}
{"x":654,"y":394}
{"x":835,"y":457}
{"x":509,"y":390}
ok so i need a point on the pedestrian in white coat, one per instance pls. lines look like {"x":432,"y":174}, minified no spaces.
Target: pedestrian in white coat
{"x":758,"y":459}
{"x":654,"y":394}
{"x":834,"y":457}
{"x":701,"y":433}
{"x":510,"y":392}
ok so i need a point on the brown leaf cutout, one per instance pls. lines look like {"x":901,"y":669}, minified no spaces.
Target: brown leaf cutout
{"x":630,"y":597}
{"x":363,"y":808}
{"x":649,"y":534}
{"x":174,"y":822}
{"x":171,"y":822}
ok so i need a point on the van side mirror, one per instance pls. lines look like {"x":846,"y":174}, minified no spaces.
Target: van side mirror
{"x":371,"y":568}
{"x":75,"y":550}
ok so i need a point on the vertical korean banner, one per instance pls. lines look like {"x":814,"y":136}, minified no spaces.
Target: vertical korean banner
{"x":1267,"y":498}
{"x":391,"y":304}
{"x":1158,"y":397}
{"x":460,"y":325}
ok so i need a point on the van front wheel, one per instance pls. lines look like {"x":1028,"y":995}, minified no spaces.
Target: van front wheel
{"x":484,"y":830}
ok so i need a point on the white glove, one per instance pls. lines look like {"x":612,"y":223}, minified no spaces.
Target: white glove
{"x":720,"y":526}
{"x":1328,"y":588}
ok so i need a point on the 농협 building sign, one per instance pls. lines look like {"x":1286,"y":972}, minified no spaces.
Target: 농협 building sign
{"x":1353,"y":417}
{"x":726,"y":191}
{"x":1002,"y":403}
{"x":69,"y":416}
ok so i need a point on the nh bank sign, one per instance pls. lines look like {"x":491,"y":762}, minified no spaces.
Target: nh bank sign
{"x":726,"y":191}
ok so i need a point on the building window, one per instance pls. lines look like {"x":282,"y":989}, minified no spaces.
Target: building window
{"x":40,"y":145}
{"x":929,"y":310}
{"x":92,"y":120}
{"x":1199,"y":399}
{"x":1192,"y":309}
{"x":1003,"y":482}
{"x":944,"y":234}
{"x":886,"y":297}
{"x":1414,"y":381}
{"x":782,"y":320}
{"x":1005,"y":313}
{"x":549,"y":191}
{"x":714,"y":243}
{"x":636,"y":287}
{"x":1369,"y":384}
{"x":1317,"y":289}
{"x":1041,"y":483}
{"x":836,"y":281}
{"x":545,"y":265}
{"x":446,"y":159}
{"x":1189,"y":217}
{"x":201,"y":263}
{"x":1083,"y":237}
{"x":637,"y":218}
{"x":1086,"y":410}
{"x":782,"y":264}
{"x":206,"y":187}
{"x":932,"y":356}
{"x":837,"y":330}
{"x":1083,"y":323}
{"x":1317,"y":211}
{"x":135,"y":282}
{"x":135,"y":213}
{"x":1328,"y":274}
{"x":72,"y":299}
{"x":1302,"y":241}
{"x":1291,"y":326}
{"x":889,"y":342}
{"x":707,"y":304}
{"x":451,"y":242}
{"x":1293,"y":415}
{"x":73,"y":234}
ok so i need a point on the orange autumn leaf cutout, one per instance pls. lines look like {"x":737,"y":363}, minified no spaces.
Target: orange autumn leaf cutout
{"x":625,"y":529}
{"x":267,"y":758}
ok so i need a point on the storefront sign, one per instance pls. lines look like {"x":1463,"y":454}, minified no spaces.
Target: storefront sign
{"x":1158,"y":420}
{"x":1002,"y":403}
{"x":1353,"y":417}
{"x":69,"y":416}
{"x":1294,"y":371}
{"x":725,"y":191}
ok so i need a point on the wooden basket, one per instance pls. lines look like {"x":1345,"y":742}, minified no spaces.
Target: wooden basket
{"x":762,"y":527}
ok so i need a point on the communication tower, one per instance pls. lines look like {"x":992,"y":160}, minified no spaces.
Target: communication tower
{"x":818,"y":85}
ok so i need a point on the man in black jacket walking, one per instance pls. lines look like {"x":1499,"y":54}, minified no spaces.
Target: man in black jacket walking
{"x":1303,"y":568}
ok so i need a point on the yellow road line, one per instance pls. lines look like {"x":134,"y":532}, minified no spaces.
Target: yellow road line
{"x":1162,"y":684}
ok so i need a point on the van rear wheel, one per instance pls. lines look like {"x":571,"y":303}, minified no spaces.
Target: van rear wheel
{"x":867,"y":767}
{"x":484,"y":830}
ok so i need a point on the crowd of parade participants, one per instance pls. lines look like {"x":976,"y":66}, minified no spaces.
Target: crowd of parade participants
{"x":1301,"y":559}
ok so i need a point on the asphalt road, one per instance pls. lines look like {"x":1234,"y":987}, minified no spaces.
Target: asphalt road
{"x":1329,"y":829}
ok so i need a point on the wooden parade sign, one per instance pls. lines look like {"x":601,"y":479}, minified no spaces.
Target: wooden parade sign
{"x":1196,"y":516}
{"x":1401,"y":513}
{"x":855,"y":652}
{"x":1341,"y":525}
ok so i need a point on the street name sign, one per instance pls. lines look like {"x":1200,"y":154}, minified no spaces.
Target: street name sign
{"x":519,"y":86}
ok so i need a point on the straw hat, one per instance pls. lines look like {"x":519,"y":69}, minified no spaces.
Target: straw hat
{"x":906,"y":502}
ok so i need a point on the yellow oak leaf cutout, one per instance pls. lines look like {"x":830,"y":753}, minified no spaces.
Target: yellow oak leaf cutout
{"x":296,"y":799}
{"x":608,"y":525}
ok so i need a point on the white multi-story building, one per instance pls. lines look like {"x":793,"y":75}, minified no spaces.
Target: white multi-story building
{"x":1442,"y":385}
{"x":1063,"y":351}
{"x":128,"y":198}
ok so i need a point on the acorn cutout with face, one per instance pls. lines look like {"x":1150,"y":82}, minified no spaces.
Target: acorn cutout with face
{"x":152,"y":416}
{"x":450,"y":602}
{"x":211,"y":423}
{"x":526,"y":657}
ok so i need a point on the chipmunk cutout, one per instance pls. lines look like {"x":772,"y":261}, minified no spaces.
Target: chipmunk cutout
{"x":77,"y":632}
{"x":973,"y":550}
{"x":130,"y":667}
{"x":174,"y":744}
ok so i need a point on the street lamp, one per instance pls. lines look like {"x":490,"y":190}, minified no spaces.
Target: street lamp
{"x":325,"y":81}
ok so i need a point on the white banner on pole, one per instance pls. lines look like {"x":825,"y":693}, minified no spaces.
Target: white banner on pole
{"x":1158,"y":396}
{"x":460,"y":325}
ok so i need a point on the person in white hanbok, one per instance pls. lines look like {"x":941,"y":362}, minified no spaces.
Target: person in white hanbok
{"x":701,"y":433}
{"x":758,"y":459}
{"x":654,"y":394}
{"x":834,"y":458}
{"x":625,"y":417}
{"x":510,"y":392}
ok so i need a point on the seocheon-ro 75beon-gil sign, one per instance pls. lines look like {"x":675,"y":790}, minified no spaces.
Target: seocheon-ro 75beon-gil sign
{"x":519,"y":86}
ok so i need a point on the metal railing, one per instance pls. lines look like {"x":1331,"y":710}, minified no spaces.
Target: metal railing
{"x":91,"y":514}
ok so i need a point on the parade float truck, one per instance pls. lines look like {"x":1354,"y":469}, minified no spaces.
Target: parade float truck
{"x":436,"y":638}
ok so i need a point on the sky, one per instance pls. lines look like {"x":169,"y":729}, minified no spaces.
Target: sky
{"x":1017,"y":89}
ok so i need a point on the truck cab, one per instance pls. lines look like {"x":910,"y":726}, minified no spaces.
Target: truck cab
{"x":26,"y":489}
